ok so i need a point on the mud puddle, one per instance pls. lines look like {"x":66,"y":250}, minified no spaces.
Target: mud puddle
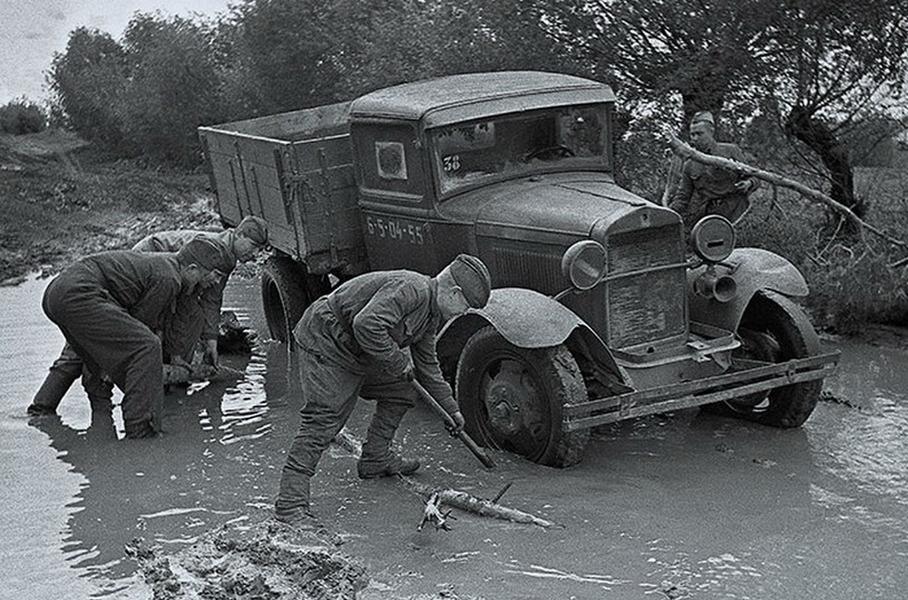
{"x":677,"y":506}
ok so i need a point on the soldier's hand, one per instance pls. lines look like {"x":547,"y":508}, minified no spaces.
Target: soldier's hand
{"x":211,"y":352}
{"x":743,"y":186}
{"x":409,"y":375}
{"x":458,"y":424}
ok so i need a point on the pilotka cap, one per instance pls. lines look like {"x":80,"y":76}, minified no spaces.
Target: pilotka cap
{"x":704,"y":116}
{"x":205,"y":253}
{"x":473,"y":278}
{"x":254,"y":228}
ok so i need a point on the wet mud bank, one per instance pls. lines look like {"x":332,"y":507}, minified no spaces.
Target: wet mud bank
{"x":63,"y":200}
{"x":253,"y":561}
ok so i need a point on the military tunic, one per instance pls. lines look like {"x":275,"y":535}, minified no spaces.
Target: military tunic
{"x":210,"y":298}
{"x":352,"y":344}
{"x":108,"y":306}
{"x":714,"y":187}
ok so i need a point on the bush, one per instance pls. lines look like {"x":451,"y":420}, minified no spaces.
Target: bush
{"x":22,"y":116}
{"x":850,"y":281}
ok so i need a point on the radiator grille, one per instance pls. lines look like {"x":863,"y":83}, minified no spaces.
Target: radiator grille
{"x":636,"y":250}
{"x":646,"y":307}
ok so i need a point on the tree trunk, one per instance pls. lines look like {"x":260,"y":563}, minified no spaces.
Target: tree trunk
{"x":820,"y":138}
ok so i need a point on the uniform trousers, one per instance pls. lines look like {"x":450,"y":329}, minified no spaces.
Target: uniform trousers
{"x":333,"y":374}
{"x":110,"y":341}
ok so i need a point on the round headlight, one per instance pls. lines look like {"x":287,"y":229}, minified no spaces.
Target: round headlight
{"x":584,"y":264}
{"x":713,"y":238}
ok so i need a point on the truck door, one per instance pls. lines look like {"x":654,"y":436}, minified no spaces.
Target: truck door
{"x":397,"y":211}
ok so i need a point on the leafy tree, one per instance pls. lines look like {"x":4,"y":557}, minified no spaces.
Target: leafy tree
{"x":836,"y":60}
{"x":705,"y":50}
{"x":87,"y":81}
{"x":291,"y":47}
{"x":416,"y":39}
{"x":172,"y":88}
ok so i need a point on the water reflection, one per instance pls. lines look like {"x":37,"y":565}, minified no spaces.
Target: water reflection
{"x":165,"y":489}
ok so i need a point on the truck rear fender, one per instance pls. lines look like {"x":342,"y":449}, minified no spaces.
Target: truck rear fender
{"x":528,"y":319}
{"x":753,"y":270}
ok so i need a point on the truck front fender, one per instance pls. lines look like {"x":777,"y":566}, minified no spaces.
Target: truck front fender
{"x":527,"y":319}
{"x":753,"y":269}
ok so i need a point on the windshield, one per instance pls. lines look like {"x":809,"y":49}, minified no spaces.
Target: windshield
{"x":572,"y":137}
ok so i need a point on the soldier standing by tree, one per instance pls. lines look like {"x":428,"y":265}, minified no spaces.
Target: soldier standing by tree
{"x":352,"y":343}
{"x":705,"y":189}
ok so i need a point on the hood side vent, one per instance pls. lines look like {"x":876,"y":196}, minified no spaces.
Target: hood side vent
{"x":515,"y":265}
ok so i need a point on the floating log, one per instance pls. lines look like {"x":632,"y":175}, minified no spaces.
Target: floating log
{"x":453,"y":498}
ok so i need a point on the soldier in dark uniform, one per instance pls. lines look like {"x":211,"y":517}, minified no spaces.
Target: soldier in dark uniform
{"x":352,"y":343}
{"x":705,"y":189}
{"x":197,"y":313}
{"x":241,"y":244}
{"x":108,"y":306}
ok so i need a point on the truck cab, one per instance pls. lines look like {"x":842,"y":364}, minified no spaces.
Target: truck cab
{"x":599,"y":312}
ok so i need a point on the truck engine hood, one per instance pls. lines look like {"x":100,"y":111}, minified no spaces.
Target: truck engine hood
{"x":554,"y":204}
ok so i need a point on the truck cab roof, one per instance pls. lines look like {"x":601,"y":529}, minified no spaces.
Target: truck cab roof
{"x":456,"y":98}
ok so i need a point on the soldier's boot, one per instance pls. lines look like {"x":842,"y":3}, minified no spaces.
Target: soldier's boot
{"x":378,"y":460}
{"x":50,"y":393}
{"x":62,"y":374}
{"x":292,"y":505}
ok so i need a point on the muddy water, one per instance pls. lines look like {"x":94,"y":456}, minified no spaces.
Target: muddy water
{"x":677,"y":506}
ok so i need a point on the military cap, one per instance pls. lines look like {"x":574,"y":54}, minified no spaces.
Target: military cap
{"x":205,"y":253}
{"x":703,"y":116}
{"x":254,"y":228}
{"x":472,"y":276}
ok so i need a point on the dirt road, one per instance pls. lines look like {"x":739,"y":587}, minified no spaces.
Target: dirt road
{"x":676,"y":506}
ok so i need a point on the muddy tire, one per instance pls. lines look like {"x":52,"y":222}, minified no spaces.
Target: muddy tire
{"x":775,"y":329}
{"x":512,"y":398}
{"x":287,"y":289}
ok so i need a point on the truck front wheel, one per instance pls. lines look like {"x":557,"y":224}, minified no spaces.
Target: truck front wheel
{"x":775,"y":329}
{"x":287,"y":289}
{"x":512,"y":398}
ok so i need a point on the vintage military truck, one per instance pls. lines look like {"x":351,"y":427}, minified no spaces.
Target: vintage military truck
{"x":599,"y":313}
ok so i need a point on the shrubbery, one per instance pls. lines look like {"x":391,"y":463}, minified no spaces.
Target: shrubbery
{"x":22,"y":116}
{"x":850,"y":281}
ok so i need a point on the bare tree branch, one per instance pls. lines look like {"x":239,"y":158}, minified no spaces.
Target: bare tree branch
{"x":686,"y":151}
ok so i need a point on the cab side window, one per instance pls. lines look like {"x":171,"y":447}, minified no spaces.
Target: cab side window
{"x":390,"y":160}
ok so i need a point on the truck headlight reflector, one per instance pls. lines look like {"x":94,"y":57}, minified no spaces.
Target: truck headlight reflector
{"x":713,"y":238}
{"x":584,"y":263}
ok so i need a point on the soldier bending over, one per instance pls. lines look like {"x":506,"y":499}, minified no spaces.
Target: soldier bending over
{"x":108,"y":306}
{"x":352,"y":343}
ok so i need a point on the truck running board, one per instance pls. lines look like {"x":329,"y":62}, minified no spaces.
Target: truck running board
{"x":746,"y":377}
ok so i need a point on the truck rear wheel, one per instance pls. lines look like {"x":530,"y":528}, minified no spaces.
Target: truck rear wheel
{"x":287,"y":289}
{"x":775,"y":329}
{"x":513,"y":398}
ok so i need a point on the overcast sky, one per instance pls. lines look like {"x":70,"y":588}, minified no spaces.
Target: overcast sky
{"x":32,"y":30}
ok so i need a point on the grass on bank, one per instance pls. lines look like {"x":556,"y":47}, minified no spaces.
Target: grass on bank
{"x":850,"y":281}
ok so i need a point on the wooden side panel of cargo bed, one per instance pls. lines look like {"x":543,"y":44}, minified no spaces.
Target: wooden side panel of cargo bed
{"x":249,"y":181}
{"x":324,"y":190}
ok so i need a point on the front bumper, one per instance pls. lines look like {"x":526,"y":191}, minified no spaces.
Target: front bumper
{"x":743,"y":377}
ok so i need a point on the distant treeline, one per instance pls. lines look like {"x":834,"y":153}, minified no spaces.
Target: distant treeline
{"x":146,"y":92}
